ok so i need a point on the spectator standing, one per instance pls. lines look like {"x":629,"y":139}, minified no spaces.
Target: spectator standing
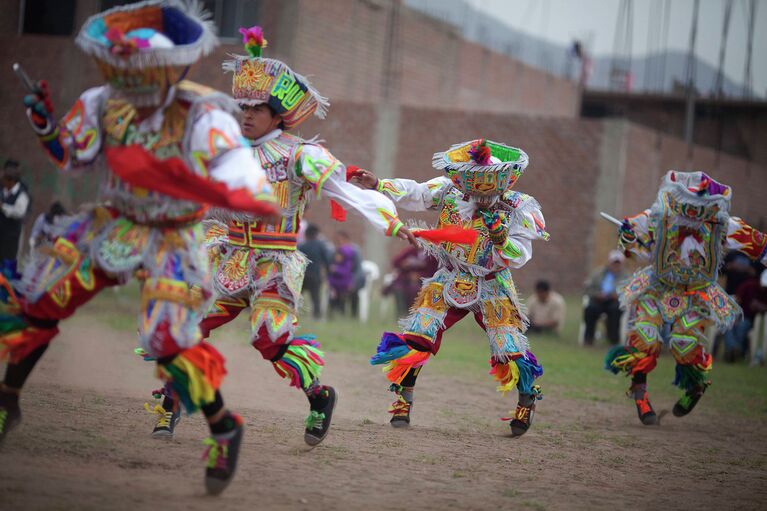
{"x":342,"y":276}
{"x":42,"y":229}
{"x":752,"y":297}
{"x":319,"y":261}
{"x":14,"y":207}
{"x":602,"y":290}
{"x":545,"y":309}
{"x":410,"y":266}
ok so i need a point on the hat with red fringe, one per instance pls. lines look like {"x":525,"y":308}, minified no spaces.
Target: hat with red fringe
{"x":258,"y":80}
{"x":481,"y":166}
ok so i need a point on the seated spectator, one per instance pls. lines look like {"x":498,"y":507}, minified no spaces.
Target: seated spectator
{"x":42,"y":229}
{"x":601,"y":288}
{"x":319,"y":256}
{"x":545,"y":309}
{"x":752,"y":297}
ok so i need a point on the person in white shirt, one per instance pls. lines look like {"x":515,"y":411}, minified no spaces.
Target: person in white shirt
{"x":545,"y":309}
{"x":43,"y":228}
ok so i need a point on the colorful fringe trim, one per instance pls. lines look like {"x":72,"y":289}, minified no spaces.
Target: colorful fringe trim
{"x":629,"y":360}
{"x":10,"y":308}
{"x":690,"y":376}
{"x":520,"y":372}
{"x":16,"y":346}
{"x":398,"y":357}
{"x":194,"y":375}
{"x":302,"y":362}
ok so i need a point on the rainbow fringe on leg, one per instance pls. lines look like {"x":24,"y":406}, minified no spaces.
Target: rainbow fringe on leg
{"x":690,"y":376}
{"x":11,"y":319}
{"x":629,"y":360}
{"x":302,"y":362}
{"x":194,"y":375}
{"x":519,"y":372}
{"x":398,"y":357}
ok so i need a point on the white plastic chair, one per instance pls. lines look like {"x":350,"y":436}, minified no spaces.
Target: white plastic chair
{"x":758,"y":340}
{"x":372,"y":273}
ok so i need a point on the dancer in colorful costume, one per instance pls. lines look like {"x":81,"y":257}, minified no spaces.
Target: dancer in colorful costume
{"x":167,"y":145}
{"x":473,"y":277}
{"x":683,"y":234}
{"x":255,"y":262}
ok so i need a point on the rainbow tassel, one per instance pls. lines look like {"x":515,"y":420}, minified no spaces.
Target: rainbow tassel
{"x":629,"y":360}
{"x":302,"y":362}
{"x":16,"y":346}
{"x":397,"y":368}
{"x":194,"y":375}
{"x":529,"y":370}
{"x":391,"y":347}
{"x":690,"y":376}
{"x":506,"y":374}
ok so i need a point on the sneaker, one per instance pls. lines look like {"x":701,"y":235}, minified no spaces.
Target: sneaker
{"x":400,"y":412}
{"x":10,"y":417}
{"x":321,"y":406}
{"x":641,"y":398}
{"x":166,"y":422}
{"x":522,"y":418}
{"x":688,"y":401}
{"x":221,"y":455}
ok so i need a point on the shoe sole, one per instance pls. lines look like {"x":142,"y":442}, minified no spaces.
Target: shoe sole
{"x":399,"y":424}
{"x":314,"y":441}
{"x":517,"y":431}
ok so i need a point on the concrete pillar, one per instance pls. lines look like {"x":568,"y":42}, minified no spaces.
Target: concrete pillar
{"x":609,"y":188}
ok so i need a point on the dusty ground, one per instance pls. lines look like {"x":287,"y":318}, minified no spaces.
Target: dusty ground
{"x":84,"y":445}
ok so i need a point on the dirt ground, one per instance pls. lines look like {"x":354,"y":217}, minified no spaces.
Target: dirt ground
{"x":84,"y":444}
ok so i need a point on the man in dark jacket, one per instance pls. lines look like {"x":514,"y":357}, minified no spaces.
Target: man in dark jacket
{"x":13,"y":209}
{"x":319,"y":255}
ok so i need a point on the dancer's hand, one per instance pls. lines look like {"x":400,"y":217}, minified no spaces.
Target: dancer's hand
{"x":365,"y":179}
{"x":495,"y":221}
{"x":405,"y":234}
{"x":39,"y":104}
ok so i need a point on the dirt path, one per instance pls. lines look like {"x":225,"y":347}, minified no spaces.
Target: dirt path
{"x":84,"y":445}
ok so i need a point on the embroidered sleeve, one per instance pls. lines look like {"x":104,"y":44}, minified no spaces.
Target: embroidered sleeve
{"x":524,"y":226}
{"x":75,"y":141}
{"x":218,"y":150}
{"x":315,"y":165}
{"x":746,"y":239}
{"x":636,"y":235}
{"x":414,"y":196}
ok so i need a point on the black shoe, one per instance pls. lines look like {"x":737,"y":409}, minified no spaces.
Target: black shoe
{"x":166,"y":422}
{"x":400,"y":412}
{"x":10,"y":417}
{"x":688,"y":401}
{"x":222,"y":453}
{"x":522,"y":419}
{"x":642,"y":401}
{"x":321,"y":406}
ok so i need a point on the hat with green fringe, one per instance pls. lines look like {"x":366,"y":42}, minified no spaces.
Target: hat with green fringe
{"x":258,"y":80}
{"x":481,"y":166}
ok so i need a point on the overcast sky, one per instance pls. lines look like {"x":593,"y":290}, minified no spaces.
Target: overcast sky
{"x":594,"y":21}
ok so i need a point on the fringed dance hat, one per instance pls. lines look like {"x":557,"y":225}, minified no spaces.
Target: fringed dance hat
{"x":695,"y":195}
{"x":482,"y":167}
{"x":258,"y":80}
{"x":144,"y":47}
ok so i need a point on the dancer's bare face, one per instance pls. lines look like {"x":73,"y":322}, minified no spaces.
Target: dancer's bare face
{"x":258,"y":121}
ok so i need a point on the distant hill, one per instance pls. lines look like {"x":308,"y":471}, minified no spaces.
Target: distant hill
{"x":479,"y":27}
